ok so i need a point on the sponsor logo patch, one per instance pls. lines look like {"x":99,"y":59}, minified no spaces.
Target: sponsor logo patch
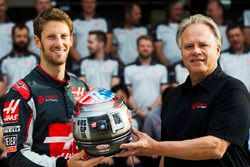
{"x":48,"y":98}
{"x":11,"y":111}
{"x":10,"y":143}
{"x":199,"y":106}
{"x":78,"y":92}
{"x":11,"y":129}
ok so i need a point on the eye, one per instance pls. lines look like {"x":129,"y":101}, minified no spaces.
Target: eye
{"x":188,"y":47}
{"x":64,"y":36}
{"x":203,"y":45}
{"x":50,"y":37}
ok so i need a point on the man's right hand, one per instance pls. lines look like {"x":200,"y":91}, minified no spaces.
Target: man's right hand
{"x":76,"y":160}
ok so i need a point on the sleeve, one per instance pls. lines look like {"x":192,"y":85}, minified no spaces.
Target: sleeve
{"x":109,"y":26}
{"x":18,"y":122}
{"x":116,"y":69}
{"x":156,"y":35}
{"x":82,"y":68}
{"x":164,"y":79}
{"x":127,"y":79}
{"x":114,"y":39}
{"x":229,"y":119}
{"x":246,"y":18}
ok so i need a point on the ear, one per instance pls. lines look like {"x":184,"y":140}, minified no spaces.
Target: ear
{"x":37,"y":41}
{"x":218,"y":50}
{"x":71,"y":40}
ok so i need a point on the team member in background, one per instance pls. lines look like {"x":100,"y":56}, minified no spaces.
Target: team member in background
{"x":37,"y":110}
{"x":145,"y":79}
{"x":98,"y":69}
{"x":19,"y":62}
{"x":5,"y":29}
{"x":206,"y":121}
{"x":126,"y":35}
{"x":40,"y":5}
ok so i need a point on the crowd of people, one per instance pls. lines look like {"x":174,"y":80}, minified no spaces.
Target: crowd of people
{"x":145,"y":63}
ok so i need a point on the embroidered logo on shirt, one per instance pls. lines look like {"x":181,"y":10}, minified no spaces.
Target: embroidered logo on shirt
{"x":199,"y":105}
{"x":48,"y":98}
{"x":10,"y":143}
{"x":11,"y":111}
{"x":78,"y":92}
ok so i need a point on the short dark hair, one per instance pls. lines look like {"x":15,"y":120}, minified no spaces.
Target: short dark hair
{"x":18,"y":26}
{"x":218,"y":2}
{"x":128,"y":7}
{"x":100,"y":36}
{"x":233,"y":26}
{"x":51,"y":14}
{"x":145,"y":37}
{"x":121,"y":87}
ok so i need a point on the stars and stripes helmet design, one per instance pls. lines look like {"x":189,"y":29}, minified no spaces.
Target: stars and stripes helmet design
{"x":102,"y":122}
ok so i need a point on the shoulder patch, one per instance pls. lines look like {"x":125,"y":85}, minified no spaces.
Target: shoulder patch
{"x":22,"y":89}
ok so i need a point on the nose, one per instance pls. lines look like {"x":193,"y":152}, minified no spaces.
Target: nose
{"x":197,"y":50}
{"x":59,"y":41}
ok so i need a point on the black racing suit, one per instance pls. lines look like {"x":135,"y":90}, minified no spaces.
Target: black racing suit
{"x":36,"y":115}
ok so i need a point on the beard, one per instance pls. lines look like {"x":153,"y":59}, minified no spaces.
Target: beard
{"x":20,"y":47}
{"x":145,"y":56}
{"x":52,"y":60}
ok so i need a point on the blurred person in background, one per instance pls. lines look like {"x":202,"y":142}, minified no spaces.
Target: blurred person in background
{"x":167,"y":51}
{"x":19,"y":62}
{"x":246,"y":23}
{"x":126,"y":35}
{"x":145,"y":79}
{"x":98,"y":69}
{"x":5,"y":29}
{"x":235,"y":60}
{"x":88,"y":21}
{"x":40,"y":5}
{"x":215,"y":10}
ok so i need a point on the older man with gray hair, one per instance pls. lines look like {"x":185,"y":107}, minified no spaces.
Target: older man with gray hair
{"x":206,"y":121}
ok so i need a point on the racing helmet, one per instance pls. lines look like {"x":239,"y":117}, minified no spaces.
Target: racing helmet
{"x":101,"y":123}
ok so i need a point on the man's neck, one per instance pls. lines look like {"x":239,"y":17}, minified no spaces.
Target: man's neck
{"x":57,"y":72}
{"x":100,"y":55}
{"x":145,"y":61}
{"x":88,"y":16}
{"x":2,"y":18}
{"x":127,"y":24}
{"x":19,"y":52}
{"x":239,"y":50}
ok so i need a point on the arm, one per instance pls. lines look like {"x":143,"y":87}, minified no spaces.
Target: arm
{"x":108,"y":48}
{"x":159,"y":53}
{"x":115,"y":81}
{"x":247,"y":35}
{"x":73,"y":51}
{"x":203,"y":148}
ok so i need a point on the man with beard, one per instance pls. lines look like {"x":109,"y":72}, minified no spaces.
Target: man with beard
{"x":145,"y":78}
{"x":98,"y":69}
{"x":37,"y":110}
{"x":19,"y":62}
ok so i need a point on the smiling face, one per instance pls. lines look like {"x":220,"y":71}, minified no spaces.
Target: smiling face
{"x":55,"y":43}
{"x":200,"y":50}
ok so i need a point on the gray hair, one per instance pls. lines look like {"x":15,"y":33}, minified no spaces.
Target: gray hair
{"x":199,"y":18}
